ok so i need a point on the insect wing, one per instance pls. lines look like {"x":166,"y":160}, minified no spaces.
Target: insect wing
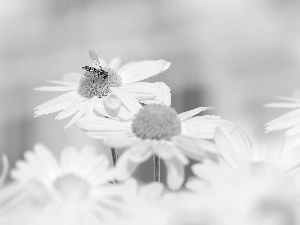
{"x":94,"y":58}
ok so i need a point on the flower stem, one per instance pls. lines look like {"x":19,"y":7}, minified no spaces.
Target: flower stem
{"x":114,"y":156}
{"x":156,"y":162}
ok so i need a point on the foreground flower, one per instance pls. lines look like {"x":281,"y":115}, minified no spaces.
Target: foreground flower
{"x":237,"y":153}
{"x":290,"y":120}
{"x":73,"y":190}
{"x":158,"y":130}
{"x":115,"y":96}
{"x":240,"y":198}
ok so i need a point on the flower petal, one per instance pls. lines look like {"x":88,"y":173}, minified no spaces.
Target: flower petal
{"x":56,"y":88}
{"x":234,"y":151}
{"x":130,"y":102}
{"x":140,"y":90}
{"x":101,"y":123}
{"x":114,"y":64}
{"x":175,"y":173}
{"x":65,"y":97}
{"x":163,"y":94}
{"x":59,"y":82}
{"x":123,"y":140}
{"x":56,"y":107}
{"x":112,"y":102}
{"x":130,"y":159}
{"x":204,"y":126}
{"x":71,"y":110}
{"x":196,"y":149}
{"x":188,"y":114}
{"x":78,"y":115}
{"x":137,"y":71}
{"x":288,"y":120}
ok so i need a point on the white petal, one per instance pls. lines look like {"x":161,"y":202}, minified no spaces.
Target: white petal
{"x":196,"y":149}
{"x":139,"y":89}
{"x":114,"y":64}
{"x":130,"y":159}
{"x":101,"y":123}
{"x":234,"y":151}
{"x":111,"y":102}
{"x":78,"y":115}
{"x":175,"y":173}
{"x":89,"y":112}
{"x":283,"y":105}
{"x":137,"y":71}
{"x":54,"y":108}
{"x":121,"y":140}
{"x":71,"y":110}
{"x":204,"y":126}
{"x":66,"y":83}
{"x":288,"y":120}
{"x":141,"y":152}
{"x":56,"y":88}
{"x":65,"y":97}
{"x":163,"y":94}
{"x":188,"y":114}
{"x":130,"y":102}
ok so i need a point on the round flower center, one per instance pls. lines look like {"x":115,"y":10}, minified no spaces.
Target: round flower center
{"x":156,"y":122}
{"x":90,"y":86}
{"x":72,"y":187}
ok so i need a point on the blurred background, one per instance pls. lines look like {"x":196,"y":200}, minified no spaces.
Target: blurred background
{"x":230,"y":54}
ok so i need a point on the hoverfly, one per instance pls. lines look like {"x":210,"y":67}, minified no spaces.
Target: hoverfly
{"x":95,"y":72}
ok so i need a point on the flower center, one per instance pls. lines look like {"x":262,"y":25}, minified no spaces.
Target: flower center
{"x":90,"y":86}
{"x":156,"y":122}
{"x":72,"y":187}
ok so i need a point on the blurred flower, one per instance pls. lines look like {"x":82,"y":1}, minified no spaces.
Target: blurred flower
{"x":290,"y":120}
{"x":241,"y":198}
{"x":142,"y":204}
{"x":116,"y":96}
{"x":238,"y":154}
{"x":72,"y":190}
{"x":158,"y":130}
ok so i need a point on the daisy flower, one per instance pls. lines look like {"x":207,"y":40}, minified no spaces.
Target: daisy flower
{"x":158,"y":130}
{"x":290,"y":120}
{"x":74,"y":188}
{"x":109,"y":90}
{"x":242,"y":198}
{"x":142,"y":204}
{"x":261,"y":157}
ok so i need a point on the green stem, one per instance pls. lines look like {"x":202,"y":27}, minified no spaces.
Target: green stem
{"x":114,"y":156}
{"x":156,"y":163}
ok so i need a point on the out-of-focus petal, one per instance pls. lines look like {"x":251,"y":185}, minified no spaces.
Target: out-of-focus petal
{"x":175,"y":174}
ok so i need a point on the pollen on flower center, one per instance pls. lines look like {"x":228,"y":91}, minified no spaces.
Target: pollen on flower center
{"x":72,"y":187}
{"x":90,"y":87}
{"x":156,"y":122}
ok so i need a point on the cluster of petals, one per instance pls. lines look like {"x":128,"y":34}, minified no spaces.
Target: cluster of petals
{"x":267,"y":155}
{"x":189,"y":143}
{"x":119,"y":103}
{"x":74,"y":189}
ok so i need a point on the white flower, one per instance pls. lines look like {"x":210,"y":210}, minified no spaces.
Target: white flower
{"x":242,"y":198}
{"x":72,"y":190}
{"x":141,"y":204}
{"x":116,"y":96}
{"x":158,"y":130}
{"x":290,"y":120}
{"x":261,"y":157}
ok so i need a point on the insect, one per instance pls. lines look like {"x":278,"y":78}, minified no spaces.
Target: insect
{"x":94,"y":72}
